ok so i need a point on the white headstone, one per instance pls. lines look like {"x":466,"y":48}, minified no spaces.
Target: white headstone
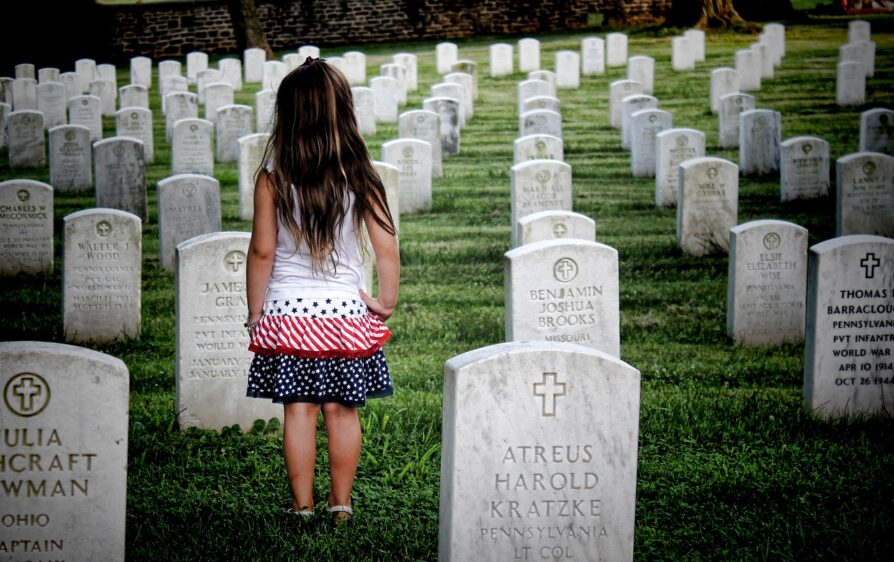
{"x":180,"y":105}
{"x":136,"y":123}
{"x":133,"y":95}
{"x":617,"y":91}
{"x":540,"y":122}
{"x":355,"y":67}
{"x":804,"y":168}
{"x":217,"y":95}
{"x":644,"y":126}
{"x":642,"y":69}
{"x":630,"y":105}
{"x":120,"y":172}
{"x":877,"y":131}
{"x":188,"y":206}
{"x":71,"y":158}
{"x":212,"y":349}
{"x":555,"y":225}
{"x":767,"y":283}
{"x":731,"y":106}
{"x":253,"y":59}
{"x":859,"y":30}
{"x":682,"y":53}
{"x":696,"y":38}
{"x":309,"y":51}
{"x":445,"y":55}
{"x":106,"y":91}
{"x":448,"y":111}
{"x":467,"y":81}
{"x":390,"y":176}
{"x":66,"y":409}
{"x":167,"y":68}
{"x":532,"y":88}
{"x":24,"y":70}
{"x":538,"y":147}
{"x":707,"y":205}
{"x":196,"y":62}
{"x":592,"y":51}
{"x":424,"y":125}
{"x":265,"y":104}
{"x":26,"y":227}
{"x":233,"y":123}
{"x":102,"y":252}
{"x":399,"y":73}
{"x":191,"y":151}
{"x":762,"y":53}
{"x":673,"y":147}
{"x":52,"y":102}
{"x":24,"y":94}
{"x":562,"y":455}
{"x":541,"y":102}
{"x":274,"y":72}
{"x":865,"y":194}
{"x":5,"y":110}
{"x":365,"y":109}
{"x":528,"y":54}
{"x":172,"y":85}
{"x":567,"y":69}
{"x":25,"y":139}
{"x":6,"y":90}
{"x":468,"y":67}
{"x":108,"y":73}
{"x":748,"y":66}
{"x":616,"y":49}
{"x":231,"y":72}
{"x":72,"y":84}
{"x":251,"y":154}
{"x":141,"y":71}
{"x":386,"y":95}
{"x":760,"y":134}
{"x":538,"y":185}
{"x":501,"y":59}
{"x":413,"y":158}
{"x":86,"y":69}
{"x":292,"y":61}
{"x":724,"y":81}
{"x":205,"y":77}
{"x":850,"y":84}
{"x":849,"y":364}
{"x":776,"y":37}
{"x":547,"y":76}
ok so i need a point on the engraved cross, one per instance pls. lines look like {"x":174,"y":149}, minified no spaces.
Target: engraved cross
{"x":235,"y":260}
{"x":103,"y":228}
{"x":869,"y":263}
{"x":549,"y":389}
{"x":26,"y":390}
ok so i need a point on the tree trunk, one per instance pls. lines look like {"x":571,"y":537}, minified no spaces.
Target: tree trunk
{"x":707,"y":13}
{"x":247,"y":26}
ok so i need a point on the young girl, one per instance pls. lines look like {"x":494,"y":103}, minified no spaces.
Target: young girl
{"x":317,"y":335}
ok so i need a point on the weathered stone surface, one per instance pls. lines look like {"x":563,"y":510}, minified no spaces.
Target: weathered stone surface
{"x":26,"y":227}
{"x":865,"y":196}
{"x":804,"y":168}
{"x":188,"y":206}
{"x":673,"y":147}
{"x":71,"y":158}
{"x":538,"y":185}
{"x":707,"y":204}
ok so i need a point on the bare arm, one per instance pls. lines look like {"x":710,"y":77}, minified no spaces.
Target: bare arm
{"x":262,"y":247}
{"x":387,"y":266}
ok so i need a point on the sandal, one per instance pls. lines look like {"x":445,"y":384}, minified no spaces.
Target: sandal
{"x":305,"y":512}
{"x":341,"y":513}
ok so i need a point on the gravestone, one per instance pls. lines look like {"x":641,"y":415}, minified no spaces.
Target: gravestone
{"x":136,"y":123}
{"x":168,"y":68}
{"x":642,"y":69}
{"x":866,"y":50}
{"x":196,"y":62}
{"x":217,"y":95}
{"x":48,"y":74}
{"x":468,"y":84}
{"x":231,"y":72}
{"x":617,"y":91}
{"x":120,"y":172}
{"x":71,"y":158}
{"x":762,"y":54}
{"x":760,"y":133}
{"x":337,"y":63}
{"x":188,"y":206}
{"x":5,"y":110}
{"x":51,"y":101}
{"x":849,"y":352}
{"x":724,"y":81}
{"x":776,"y":38}
{"x":554,"y":225}
{"x":858,"y":30}
{"x":644,"y":125}
{"x":538,"y":147}
{"x":86,"y":70}
{"x":567,"y":69}
{"x":532,"y":88}
{"x":455,"y":92}
{"x":212,"y":347}
{"x":707,"y":205}
{"x":448,"y":117}
{"x":696,"y":39}
{"x":748,"y":66}
{"x":251,"y":155}
{"x":355,"y":66}
{"x":547,"y":76}
{"x":106,"y":91}
{"x":108,"y":73}
{"x":682,"y":53}
{"x":101,"y":265}
{"x":731,"y":106}
{"x":877,"y":131}
{"x":850,"y":53}
{"x":541,"y":102}
{"x":399,"y":73}
{"x":804,"y":168}
{"x":616,"y":49}
{"x":673,"y":147}
{"x":767,"y":283}
{"x":265,"y":105}
{"x":253,"y":58}
{"x":528,"y":54}
{"x":445,"y":55}
{"x":179,"y":105}
{"x":413,"y":158}
{"x":66,"y":412}
{"x":592,"y":50}
{"x":85,"y":110}
{"x":411,"y":63}
{"x":133,"y":96}
{"x":141,"y":71}
{"x":864,"y":201}
{"x":6,"y":90}
{"x":501,"y":59}
{"x":538,"y":185}
{"x":25,"y":140}
{"x":24,"y":94}
{"x":540,"y":122}
{"x":171,"y":85}
{"x":469,"y":67}
{"x":385,"y":94}
{"x":850,"y":84}
{"x":72,"y":84}
{"x":552,"y":477}
{"x":292,"y":60}
{"x":424,"y":125}
{"x":312,"y":51}
{"x":233,"y":123}
{"x":274,"y":72}
{"x":26,"y":227}
{"x":205,"y":77}
{"x":365,"y":109}
{"x":24,"y":70}
{"x":390,"y":176}
{"x":191,"y":151}
{"x":630,"y":105}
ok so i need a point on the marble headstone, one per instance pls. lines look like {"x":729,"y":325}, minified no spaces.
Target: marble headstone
{"x":538,"y":185}
{"x":136,"y":123}
{"x":616,"y":49}
{"x":877,"y":131}
{"x":386,"y":96}
{"x":540,"y":122}
{"x":724,"y":81}
{"x":642,"y":69}
{"x":682,"y":53}
{"x":106,"y":91}
{"x":52,"y":102}
{"x":850,"y":85}
{"x":538,"y":147}
{"x":748,"y":65}
{"x":501,"y":59}
{"x":528,"y":54}
{"x":673,"y":147}
{"x":411,"y":62}
{"x":179,"y":105}
{"x":804,"y":168}
{"x":231,"y":72}
{"x":554,"y":225}
{"x":731,"y":106}
{"x":25,"y":139}
{"x":567,"y":69}
{"x":424,"y":125}
{"x":592,"y":50}
{"x":253,"y":58}
{"x":26,"y":227}
{"x":251,"y":154}
{"x":644,"y":125}
{"x":265,"y":103}
{"x":355,"y":67}
{"x":365,"y":109}
{"x":71,"y":158}
{"x":448,"y":117}
{"x":532,"y":88}
{"x":191,"y":150}
{"x":707,"y":205}
{"x":617,"y":91}
{"x":413,"y":158}
{"x":445,"y":55}
{"x":133,"y":95}
{"x":865,"y":194}
{"x":232,"y":123}
{"x":196,"y":61}
{"x":120,"y":172}
{"x":84,"y":110}
{"x":760,"y":134}
{"x":141,"y":71}
{"x":188,"y":205}
{"x":630,"y":105}
{"x":24,"y":94}
{"x":217,"y":95}
{"x":86,"y":69}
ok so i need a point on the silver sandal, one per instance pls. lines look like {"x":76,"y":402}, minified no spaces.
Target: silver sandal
{"x":341,"y":513}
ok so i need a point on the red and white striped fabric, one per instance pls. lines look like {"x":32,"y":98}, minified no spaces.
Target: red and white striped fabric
{"x":319,"y":338}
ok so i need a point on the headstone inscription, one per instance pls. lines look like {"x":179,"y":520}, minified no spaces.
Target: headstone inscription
{"x":877,"y":131}
{"x":413,"y":158}
{"x":644,"y":126}
{"x":538,"y":185}
{"x":592,"y":50}
{"x":101,"y":269}
{"x":212,"y":348}
{"x":136,"y":123}
{"x":424,"y":125}
{"x":538,"y":147}
{"x":555,"y":477}
{"x":760,"y":134}
{"x":864,"y":198}
{"x":448,"y":117}
{"x":767,"y":283}
{"x":707,"y":204}
{"x":120,"y":172}
{"x":849,"y":352}
{"x":501,"y":59}
{"x":804,"y":168}
{"x":673,"y":147}
{"x":26,"y":227}
{"x":528,"y":54}
{"x":65,"y":417}
{"x":191,"y":151}
{"x":84,"y":110}
{"x":25,"y":140}
{"x":71,"y":158}
{"x":251,"y":154}
{"x":731,"y":106}
{"x":188,"y":206}
{"x":233,"y":123}
{"x":554,"y":225}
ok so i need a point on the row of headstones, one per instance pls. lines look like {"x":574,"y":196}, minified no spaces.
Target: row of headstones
{"x":595,"y":54}
{"x":856,"y":63}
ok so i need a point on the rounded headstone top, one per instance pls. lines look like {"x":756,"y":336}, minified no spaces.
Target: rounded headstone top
{"x":536,"y":348}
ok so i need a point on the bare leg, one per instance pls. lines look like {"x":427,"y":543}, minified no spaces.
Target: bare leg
{"x":299,"y":442}
{"x":343,"y":428}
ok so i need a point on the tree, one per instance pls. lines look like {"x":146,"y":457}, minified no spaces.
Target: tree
{"x":247,"y":26}
{"x":706,"y":13}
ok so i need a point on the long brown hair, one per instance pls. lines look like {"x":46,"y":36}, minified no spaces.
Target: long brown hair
{"x":319,"y":158}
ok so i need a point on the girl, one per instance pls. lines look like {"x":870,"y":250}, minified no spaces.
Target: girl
{"x":317,"y":335}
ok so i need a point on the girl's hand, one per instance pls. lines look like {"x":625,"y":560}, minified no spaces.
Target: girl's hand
{"x":376,"y":307}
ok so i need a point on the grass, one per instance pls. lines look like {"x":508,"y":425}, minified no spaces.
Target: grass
{"x":730,"y":465}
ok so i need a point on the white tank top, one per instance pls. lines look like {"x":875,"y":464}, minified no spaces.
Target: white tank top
{"x":293,"y":274}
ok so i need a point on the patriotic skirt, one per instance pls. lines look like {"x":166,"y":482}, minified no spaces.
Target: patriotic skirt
{"x":319,"y":350}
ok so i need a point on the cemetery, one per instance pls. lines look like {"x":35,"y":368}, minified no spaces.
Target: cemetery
{"x":646,"y":307}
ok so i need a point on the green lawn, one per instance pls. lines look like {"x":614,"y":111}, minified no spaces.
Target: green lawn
{"x":730,"y":465}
